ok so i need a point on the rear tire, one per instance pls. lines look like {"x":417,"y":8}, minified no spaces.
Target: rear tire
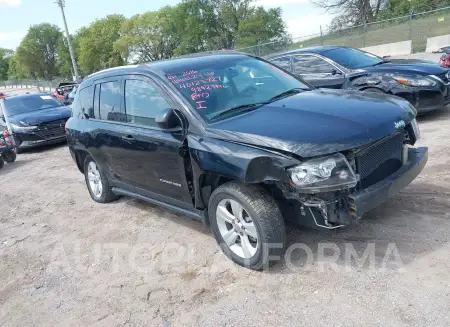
{"x":2,"y":162}
{"x":247,"y":224}
{"x":97,"y":182}
{"x":9,"y":156}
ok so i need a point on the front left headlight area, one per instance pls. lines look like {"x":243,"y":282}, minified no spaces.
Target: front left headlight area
{"x":22,"y":129}
{"x":323,"y":174}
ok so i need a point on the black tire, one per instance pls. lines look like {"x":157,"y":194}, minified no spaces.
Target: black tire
{"x":374,"y":90}
{"x":106,"y":195}
{"x":2,"y":162}
{"x":9,"y":156}
{"x":266,"y":217}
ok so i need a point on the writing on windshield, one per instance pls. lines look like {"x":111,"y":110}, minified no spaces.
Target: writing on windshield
{"x":199,"y":85}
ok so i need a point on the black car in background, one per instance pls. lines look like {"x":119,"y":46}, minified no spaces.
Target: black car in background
{"x":35,"y":119}
{"x":424,"y":84}
{"x":234,"y":141}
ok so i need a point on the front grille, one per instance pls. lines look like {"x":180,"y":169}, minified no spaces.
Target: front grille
{"x":380,"y":160}
{"x":444,"y":77}
{"x":51,"y":129}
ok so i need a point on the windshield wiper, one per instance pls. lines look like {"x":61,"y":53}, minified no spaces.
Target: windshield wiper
{"x":242,"y":108}
{"x":380,"y":63}
{"x":284,"y":94}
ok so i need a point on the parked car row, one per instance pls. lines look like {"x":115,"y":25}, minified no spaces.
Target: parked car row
{"x":244,"y":146}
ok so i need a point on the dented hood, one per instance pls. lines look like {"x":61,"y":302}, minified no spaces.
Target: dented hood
{"x":318,"y":122}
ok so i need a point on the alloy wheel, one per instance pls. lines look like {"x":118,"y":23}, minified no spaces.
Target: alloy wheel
{"x":95,"y":180}
{"x":237,"y":228}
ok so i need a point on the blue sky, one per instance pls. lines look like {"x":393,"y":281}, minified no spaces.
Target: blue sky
{"x":16,"y":16}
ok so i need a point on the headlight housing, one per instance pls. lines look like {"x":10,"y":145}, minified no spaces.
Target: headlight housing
{"x":16,"y":128}
{"x":323,"y":174}
{"x":413,"y":80}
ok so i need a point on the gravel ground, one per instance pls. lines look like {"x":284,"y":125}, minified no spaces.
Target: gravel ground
{"x":68,"y":261}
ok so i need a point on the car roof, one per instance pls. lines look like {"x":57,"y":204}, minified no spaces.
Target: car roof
{"x":26,"y":95}
{"x":170,"y":66}
{"x":316,"y":50}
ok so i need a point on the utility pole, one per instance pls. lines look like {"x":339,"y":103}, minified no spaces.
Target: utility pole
{"x":61,"y":4}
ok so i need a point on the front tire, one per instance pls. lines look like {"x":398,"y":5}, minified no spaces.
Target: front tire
{"x":97,"y":182}
{"x":9,"y":156}
{"x":247,"y":224}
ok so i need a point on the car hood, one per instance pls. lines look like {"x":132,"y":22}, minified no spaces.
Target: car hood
{"x":318,"y":122}
{"x":36,"y":117}
{"x":411,"y":66}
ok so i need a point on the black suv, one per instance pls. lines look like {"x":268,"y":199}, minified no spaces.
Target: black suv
{"x":425,"y":84}
{"x":234,"y":141}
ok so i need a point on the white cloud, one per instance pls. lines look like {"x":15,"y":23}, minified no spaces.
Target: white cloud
{"x":277,"y":3}
{"x":11,"y":2}
{"x":11,"y":36}
{"x":308,"y":25}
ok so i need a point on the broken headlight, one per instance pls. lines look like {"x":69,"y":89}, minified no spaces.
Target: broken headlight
{"x":323,"y":174}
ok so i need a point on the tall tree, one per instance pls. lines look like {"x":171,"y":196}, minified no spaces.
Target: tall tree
{"x":262,"y":26}
{"x":38,"y":51}
{"x":150,"y":36}
{"x":5,"y":56}
{"x":95,"y":44}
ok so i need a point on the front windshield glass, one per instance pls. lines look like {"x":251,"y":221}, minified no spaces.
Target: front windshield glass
{"x":20,"y":105}
{"x":352,"y":58}
{"x":220,"y":86}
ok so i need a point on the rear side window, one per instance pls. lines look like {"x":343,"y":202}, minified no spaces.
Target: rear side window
{"x":86,"y":102}
{"x":109,"y":102}
{"x":143,"y":102}
{"x":283,"y":62}
{"x":311,"y":65}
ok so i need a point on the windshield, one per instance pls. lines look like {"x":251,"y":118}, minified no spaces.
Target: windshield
{"x":20,"y":105}
{"x":232,"y":82}
{"x":352,"y":58}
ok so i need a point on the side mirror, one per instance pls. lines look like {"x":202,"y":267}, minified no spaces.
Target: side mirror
{"x":335,"y":72}
{"x":168,"y":119}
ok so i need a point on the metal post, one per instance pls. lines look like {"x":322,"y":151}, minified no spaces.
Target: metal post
{"x":60,"y":3}
{"x":409,"y":25}
{"x":321,"y":35}
{"x":364,"y":35}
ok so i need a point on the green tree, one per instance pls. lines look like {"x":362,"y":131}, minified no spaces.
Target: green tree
{"x":198,"y":25}
{"x":5,"y":56}
{"x":262,"y":26}
{"x":95,"y":44}
{"x":38,"y":51}
{"x":153,"y":35}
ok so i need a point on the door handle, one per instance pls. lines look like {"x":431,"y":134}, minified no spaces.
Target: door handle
{"x":128,"y":138}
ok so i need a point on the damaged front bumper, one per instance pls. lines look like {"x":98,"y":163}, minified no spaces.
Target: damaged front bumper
{"x":340,"y":209}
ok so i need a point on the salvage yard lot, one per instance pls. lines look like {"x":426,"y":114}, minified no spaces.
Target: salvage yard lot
{"x":68,"y":261}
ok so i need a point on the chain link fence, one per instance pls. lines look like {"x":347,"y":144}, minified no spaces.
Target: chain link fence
{"x":416,"y":27}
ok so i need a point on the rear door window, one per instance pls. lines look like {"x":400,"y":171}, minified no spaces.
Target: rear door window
{"x":311,"y":65}
{"x":110,"y":101}
{"x":283,"y":62}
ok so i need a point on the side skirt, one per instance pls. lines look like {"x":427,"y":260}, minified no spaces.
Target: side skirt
{"x":193,"y":214}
